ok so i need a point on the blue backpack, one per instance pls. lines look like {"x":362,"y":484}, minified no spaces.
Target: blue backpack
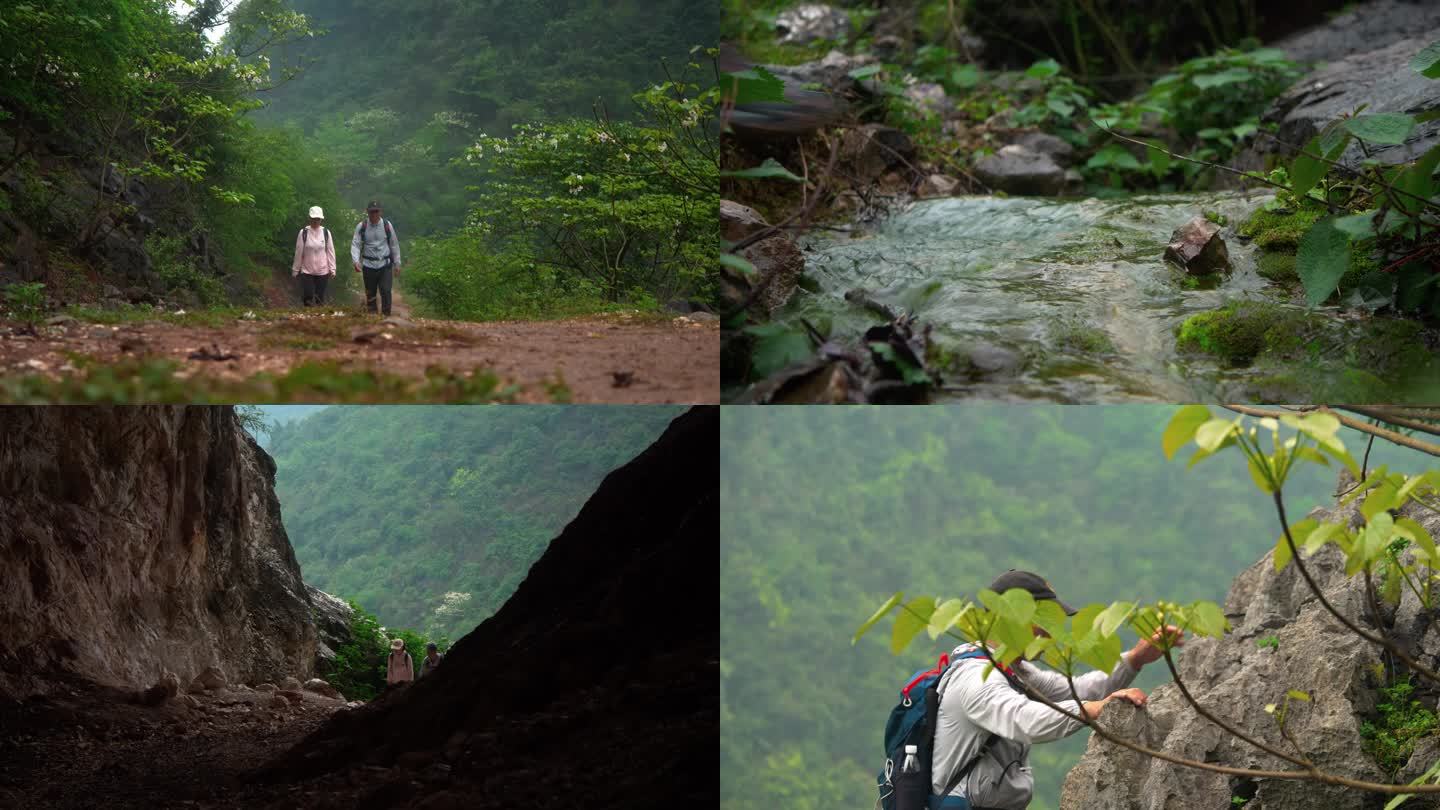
{"x":912,"y":722}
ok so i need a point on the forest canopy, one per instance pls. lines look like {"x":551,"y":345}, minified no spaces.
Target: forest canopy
{"x":430,"y":517}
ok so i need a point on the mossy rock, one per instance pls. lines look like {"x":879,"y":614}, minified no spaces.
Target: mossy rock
{"x":1279,"y":267}
{"x":1243,"y":330}
{"x":1280,"y":230}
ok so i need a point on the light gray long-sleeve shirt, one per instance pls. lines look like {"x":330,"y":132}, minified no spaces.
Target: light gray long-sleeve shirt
{"x":375,"y":249}
{"x":972,"y":707}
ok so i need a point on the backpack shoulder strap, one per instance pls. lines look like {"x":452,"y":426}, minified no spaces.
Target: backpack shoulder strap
{"x":388,"y":232}
{"x":984,"y":745}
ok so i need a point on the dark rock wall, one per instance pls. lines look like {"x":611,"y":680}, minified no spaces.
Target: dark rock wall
{"x":142,"y":539}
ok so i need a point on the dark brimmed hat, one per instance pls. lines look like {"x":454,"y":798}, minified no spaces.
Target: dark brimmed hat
{"x":374,"y":206}
{"x":1034,"y":583}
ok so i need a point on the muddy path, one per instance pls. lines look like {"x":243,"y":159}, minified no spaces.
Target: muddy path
{"x":610,"y":358}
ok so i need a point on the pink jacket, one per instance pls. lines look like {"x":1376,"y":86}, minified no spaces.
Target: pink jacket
{"x":314,"y":253}
{"x":399,"y":668}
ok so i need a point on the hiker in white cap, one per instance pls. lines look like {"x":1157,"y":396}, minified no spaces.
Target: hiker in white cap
{"x":399,"y":669}
{"x":314,"y":258}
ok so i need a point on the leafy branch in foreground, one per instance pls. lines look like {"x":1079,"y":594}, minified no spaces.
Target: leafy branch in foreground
{"x":1013,"y":625}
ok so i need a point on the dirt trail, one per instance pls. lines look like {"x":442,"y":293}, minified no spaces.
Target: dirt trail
{"x":93,"y":748}
{"x":619,"y":358}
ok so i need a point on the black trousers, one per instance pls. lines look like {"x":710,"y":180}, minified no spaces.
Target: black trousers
{"x":312,"y":289}
{"x":378,"y":279}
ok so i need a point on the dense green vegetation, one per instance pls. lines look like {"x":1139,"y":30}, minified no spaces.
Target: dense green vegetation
{"x":828,"y":512}
{"x":431,"y":517}
{"x":358,"y":670}
{"x":331,"y":103}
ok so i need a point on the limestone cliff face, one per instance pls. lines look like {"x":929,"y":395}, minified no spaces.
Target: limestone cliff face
{"x":142,"y":539}
{"x":1234,"y":678}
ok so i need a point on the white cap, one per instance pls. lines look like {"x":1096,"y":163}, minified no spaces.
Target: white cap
{"x":912,"y":749}
{"x":316,"y":213}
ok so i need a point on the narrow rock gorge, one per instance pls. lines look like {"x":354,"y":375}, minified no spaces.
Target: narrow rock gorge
{"x":1282,"y":639}
{"x":159,"y":635}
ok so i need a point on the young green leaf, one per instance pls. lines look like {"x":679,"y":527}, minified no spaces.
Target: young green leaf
{"x":737,"y":263}
{"x":878,"y":615}
{"x":1112,"y":617}
{"x":1043,"y":69}
{"x":1182,"y":428}
{"x":1322,"y":259}
{"x":1296,"y":694}
{"x":769,"y":168}
{"x":945,"y":616}
{"x":913,"y":618}
{"x":1208,"y":619}
{"x":777,"y":346}
{"x":1212,"y":434}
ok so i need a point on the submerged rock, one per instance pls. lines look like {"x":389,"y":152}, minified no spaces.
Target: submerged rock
{"x":777,"y":259}
{"x":1198,"y":248}
{"x":1016,"y":169}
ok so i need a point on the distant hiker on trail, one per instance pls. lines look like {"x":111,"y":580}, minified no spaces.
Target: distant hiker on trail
{"x":399,"y":669}
{"x":986,"y":726}
{"x":314,"y":258}
{"x":376,"y":251}
{"x":432,"y":659}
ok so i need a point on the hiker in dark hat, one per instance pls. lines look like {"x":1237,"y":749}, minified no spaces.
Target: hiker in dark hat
{"x":375,"y":251}
{"x":986,"y":726}
{"x":431,"y":660}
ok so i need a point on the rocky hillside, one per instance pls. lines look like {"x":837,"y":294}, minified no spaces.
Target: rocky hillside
{"x":1282,"y":639}
{"x":142,"y":540}
{"x":595,"y":683}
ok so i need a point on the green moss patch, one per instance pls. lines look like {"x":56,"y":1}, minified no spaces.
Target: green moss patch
{"x":1243,"y":330}
{"x":1280,"y":230}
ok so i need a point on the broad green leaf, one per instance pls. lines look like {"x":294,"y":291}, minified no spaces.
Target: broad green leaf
{"x":1205,"y":81}
{"x":1411,"y":530}
{"x":1199,"y":456}
{"x":1101,"y":652}
{"x":1060,"y":107}
{"x":1319,"y":425}
{"x":737,"y":263}
{"x":1312,"y":455}
{"x":755,"y":85}
{"x":1182,"y":428}
{"x":1322,"y":259}
{"x":1381,"y":498}
{"x":1402,"y":495}
{"x":777,"y":346}
{"x":945,"y":615}
{"x":877,"y":616}
{"x":1383,"y":128}
{"x":1427,"y":63}
{"x":1357,"y":226}
{"x":1112,"y":617}
{"x":1016,"y":605}
{"x":1051,"y":617}
{"x":1334,"y":137}
{"x":1211,"y":434}
{"x":913,"y":618}
{"x":1322,"y":534}
{"x":769,"y":168}
{"x":1113,"y":156}
{"x":1159,"y":159}
{"x":1427,"y":776}
{"x":1282,"y":553}
{"x":1015,"y":636}
{"x":1208,"y":619}
{"x":1084,"y":619}
{"x":1037,"y":646}
{"x":1419,"y":179}
{"x":1336,"y":450}
{"x":1043,"y":69}
{"x":965,"y":76}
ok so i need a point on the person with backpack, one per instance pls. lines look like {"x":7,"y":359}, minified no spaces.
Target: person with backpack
{"x":431,"y":660}
{"x":375,"y":251}
{"x":975,"y":732}
{"x":399,"y":668}
{"x":314,"y":262}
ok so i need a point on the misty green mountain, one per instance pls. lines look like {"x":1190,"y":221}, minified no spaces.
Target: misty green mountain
{"x":828,"y":512}
{"x":430,"y":517}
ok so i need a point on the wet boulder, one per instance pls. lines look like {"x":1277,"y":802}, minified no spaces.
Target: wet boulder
{"x":1198,"y":248}
{"x":937,"y":185}
{"x":808,"y":22}
{"x":778,"y":261}
{"x":1043,"y":143}
{"x":1017,"y":169}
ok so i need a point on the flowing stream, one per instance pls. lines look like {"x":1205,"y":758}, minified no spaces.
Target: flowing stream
{"x":1072,"y":300}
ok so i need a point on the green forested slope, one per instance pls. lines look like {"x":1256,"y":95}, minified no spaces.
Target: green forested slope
{"x":393,"y":91}
{"x":395,"y":507}
{"x":828,"y":512}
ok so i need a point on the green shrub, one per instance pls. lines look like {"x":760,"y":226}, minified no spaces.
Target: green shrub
{"x":26,"y":301}
{"x":1400,"y":723}
{"x":358,"y":670}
